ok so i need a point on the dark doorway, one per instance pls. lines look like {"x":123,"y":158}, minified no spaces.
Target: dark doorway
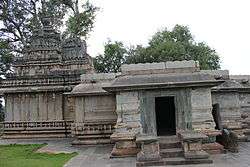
{"x":216,"y":116}
{"x":165,"y":115}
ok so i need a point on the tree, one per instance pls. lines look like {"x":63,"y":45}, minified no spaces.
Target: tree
{"x":81,"y":23}
{"x":18,"y":19}
{"x":165,"y":45}
{"x":5,"y":62}
{"x":177,"y":44}
{"x":114,"y":56}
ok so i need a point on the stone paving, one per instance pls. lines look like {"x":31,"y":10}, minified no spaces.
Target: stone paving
{"x":98,"y":156}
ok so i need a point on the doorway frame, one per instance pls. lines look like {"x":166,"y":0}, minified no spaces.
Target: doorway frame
{"x":175,"y":113}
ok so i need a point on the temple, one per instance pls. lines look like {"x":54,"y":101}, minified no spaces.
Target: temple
{"x":36,"y":105}
{"x":155,"y":111}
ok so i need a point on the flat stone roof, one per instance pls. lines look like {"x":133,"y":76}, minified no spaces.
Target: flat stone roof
{"x":219,"y":74}
{"x":162,"y":81}
{"x":98,"y":77}
{"x":162,"y":67}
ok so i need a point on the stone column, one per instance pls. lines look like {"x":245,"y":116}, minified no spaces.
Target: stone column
{"x":150,"y":149}
{"x":202,"y":118}
{"x":192,"y":145}
{"x":128,"y":124}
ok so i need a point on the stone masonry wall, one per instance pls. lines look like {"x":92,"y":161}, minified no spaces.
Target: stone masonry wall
{"x":201,"y":102}
{"x":182,"y":109}
{"x":34,"y":107}
{"x":95,"y":108}
{"x":127,"y":108}
{"x":229,"y":106}
{"x":245,"y":103}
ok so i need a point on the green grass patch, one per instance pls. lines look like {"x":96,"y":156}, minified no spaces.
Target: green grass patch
{"x":25,"y":156}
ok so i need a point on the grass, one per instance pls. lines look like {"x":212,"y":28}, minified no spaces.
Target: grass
{"x":25,"y":156}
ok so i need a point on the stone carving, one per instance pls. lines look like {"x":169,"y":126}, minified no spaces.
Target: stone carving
{"x":45,"y":72}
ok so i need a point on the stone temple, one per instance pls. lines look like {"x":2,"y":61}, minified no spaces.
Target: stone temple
{"x":163,"y":113}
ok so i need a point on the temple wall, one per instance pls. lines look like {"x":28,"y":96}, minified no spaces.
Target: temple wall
{"x":230,"y":112}
{"x":127,"y":108}
{"x":182,"y":107}
{"x":95,"y":108}
{"x":229,"y":106}
{"x":245,"y":103}
{"x":136,"y":110}
{"x":69,"y":108}
{"x":34,"y":107}
{"x":201,"y":104}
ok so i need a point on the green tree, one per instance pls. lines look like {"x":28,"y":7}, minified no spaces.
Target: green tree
{"x":174,"y":45}
{"x":81,"y":23}
{"x":177,"y":44}
{"x":114,"y":56}
{"x":18,"y":19}
{"x":5,"y":63}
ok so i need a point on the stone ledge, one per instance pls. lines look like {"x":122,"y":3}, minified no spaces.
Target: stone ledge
{"x":191,"y":136}
{"x":158,"y":66}
{"x":196,"y":155}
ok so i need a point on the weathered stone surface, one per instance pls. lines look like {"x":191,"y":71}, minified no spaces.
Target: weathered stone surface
{"x":154,"y":67}
{"x":146,"y":139}
{"x":125,"y":152}
{"x":149,"y":152}
{"x":87,"y":78}
{"x":213,"y":148}
{"x":218,"y":74}
{"x":150,"y":149}
{"x":201,"y":103}
{"x":190,"y":136}
{"x":196,"y":155}
{"x":35,"y":91}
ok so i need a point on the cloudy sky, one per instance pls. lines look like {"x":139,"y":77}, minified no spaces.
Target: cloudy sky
{"x":222,"y":24}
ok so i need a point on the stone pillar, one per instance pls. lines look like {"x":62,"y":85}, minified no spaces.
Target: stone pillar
{"x":201,"y":104}
{"x":128,"y":124}
{"x":192,"y":145}
{"x":125,"y":145}
{"x":150,"y":149}
{"x":202,"y":118}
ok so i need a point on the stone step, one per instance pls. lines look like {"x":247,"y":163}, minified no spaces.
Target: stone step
{"x":32,"y":136}
{"x":92,"y":142}
{"x":170,"y":144}
{"x":36,"y":132}
{"x":168,"y":138}
{"x":174,"y":161}
{"x":171,"y":152}
{"x":93,"y":136}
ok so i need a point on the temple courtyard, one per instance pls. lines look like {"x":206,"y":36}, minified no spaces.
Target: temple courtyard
{"x":98,"y":155}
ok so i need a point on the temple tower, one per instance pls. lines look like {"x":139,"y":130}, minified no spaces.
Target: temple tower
{"x":36,"y":103}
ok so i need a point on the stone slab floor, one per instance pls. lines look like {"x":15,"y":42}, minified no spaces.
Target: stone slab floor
{"x":98,"y":156}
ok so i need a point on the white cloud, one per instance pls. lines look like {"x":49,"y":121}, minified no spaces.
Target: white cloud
{"x":222,"y":24}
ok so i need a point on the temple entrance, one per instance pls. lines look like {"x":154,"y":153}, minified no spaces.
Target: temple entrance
{"x":165,"y":116}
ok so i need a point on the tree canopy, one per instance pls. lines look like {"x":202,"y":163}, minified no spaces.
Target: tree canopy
{"x":169,"y":45}
{"x":177,"y":44}
{"x":18,"y":18}
{"x":114,"y":56}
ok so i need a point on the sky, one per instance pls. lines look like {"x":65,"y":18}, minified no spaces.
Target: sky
{"x":223,"y":24}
